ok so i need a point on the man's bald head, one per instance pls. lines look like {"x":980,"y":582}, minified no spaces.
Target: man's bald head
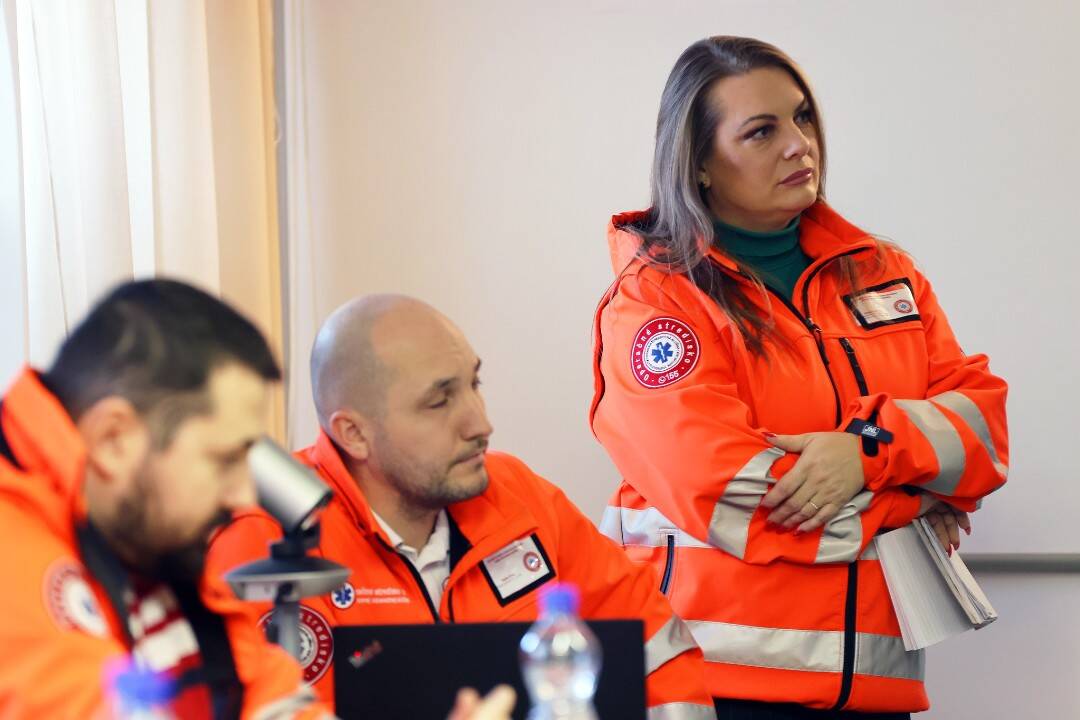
{"x":350,"y":363}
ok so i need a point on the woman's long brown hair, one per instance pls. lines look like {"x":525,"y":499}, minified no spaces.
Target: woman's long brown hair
{"x":678,"y":229}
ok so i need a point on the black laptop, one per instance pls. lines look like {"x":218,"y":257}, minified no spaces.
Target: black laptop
{"x":413,"y":672}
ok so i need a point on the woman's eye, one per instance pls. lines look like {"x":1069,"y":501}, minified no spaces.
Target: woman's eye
{"x":804,"y":117}
{"x":760,"y":133}
{"x":441,"y":403}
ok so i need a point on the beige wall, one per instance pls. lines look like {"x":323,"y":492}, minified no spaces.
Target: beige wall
{"x":471,"y":153}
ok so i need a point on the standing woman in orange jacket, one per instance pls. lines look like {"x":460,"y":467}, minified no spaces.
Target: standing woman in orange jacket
{"x":776,"y":386}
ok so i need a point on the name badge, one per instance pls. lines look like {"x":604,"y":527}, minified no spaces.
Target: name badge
{"x":885,"y":304}
{"x":517,"y":569}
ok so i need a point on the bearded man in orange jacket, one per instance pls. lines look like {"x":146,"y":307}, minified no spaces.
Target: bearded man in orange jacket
{"x":115,"y":465}
{"x":435,"y":527}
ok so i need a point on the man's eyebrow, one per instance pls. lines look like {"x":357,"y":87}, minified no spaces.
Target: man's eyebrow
{"x":447,"y":383}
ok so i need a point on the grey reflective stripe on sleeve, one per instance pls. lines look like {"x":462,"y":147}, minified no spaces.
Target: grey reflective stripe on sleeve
{"x":842,"y":536}
{"x":667,"y":643}
{"x":809,"y":650}
{"x":730,"y":523}
{"x":943,"y":438}
{"x":611,"y":524}
{"x":681,"y":711}
{"x":646,"y":528}
{"x":966,"y":408}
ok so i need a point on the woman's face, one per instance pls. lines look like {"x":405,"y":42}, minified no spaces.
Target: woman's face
{"x":763,"y":170}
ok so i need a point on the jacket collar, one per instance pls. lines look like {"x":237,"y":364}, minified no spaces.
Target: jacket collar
{"x":823,"y":234}
{"x":488,"y":521}
{"x":44,"y":439}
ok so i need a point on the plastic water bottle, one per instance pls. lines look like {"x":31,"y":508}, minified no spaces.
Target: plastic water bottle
{"x":138,"y":693}
{"x":560,"y":659}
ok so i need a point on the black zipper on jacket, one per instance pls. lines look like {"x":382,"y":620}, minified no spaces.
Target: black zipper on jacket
{"x":853,"y":360}
{"x":852,"y":595}
{"x":869,"y":445}
{"x":670,"y":565}
{"x":419,"y":581}
{"x":816,"y":332}
{"x":850,"y":611}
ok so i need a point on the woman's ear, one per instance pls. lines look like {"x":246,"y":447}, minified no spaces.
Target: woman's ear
{"x":703,"y":179}
{"x":116,"y":439}
{"x":352,"y":432}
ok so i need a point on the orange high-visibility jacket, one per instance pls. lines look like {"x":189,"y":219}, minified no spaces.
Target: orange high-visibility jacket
{"x":58,"y":628}
{"x":517,"y":507}
{"x":681,"y":405}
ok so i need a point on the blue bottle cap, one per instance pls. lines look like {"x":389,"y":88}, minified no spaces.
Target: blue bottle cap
{"x":141,"y":687}
{"x":559,"y":598}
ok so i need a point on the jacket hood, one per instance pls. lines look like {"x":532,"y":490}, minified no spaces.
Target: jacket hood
{"x":44,"y":444}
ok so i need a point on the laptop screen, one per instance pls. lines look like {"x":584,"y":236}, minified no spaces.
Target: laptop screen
{"x":413,"y":672}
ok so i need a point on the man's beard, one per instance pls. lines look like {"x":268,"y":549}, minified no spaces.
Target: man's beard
{"x":133,"y":532}
{"x":426,"y":489}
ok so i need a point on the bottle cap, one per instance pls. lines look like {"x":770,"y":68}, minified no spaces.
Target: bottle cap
{"x":139,"y":686}
{"x":559,"y":598}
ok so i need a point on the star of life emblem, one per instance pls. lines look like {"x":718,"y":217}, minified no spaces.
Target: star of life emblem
{"x":344,"y":597}
{"x":665,"y":350}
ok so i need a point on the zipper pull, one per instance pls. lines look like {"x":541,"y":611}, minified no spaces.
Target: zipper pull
{"x":818,"y":338}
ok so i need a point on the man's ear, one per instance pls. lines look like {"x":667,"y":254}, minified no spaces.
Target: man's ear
{"x":352,"y":432}
{"x":116,"y":439}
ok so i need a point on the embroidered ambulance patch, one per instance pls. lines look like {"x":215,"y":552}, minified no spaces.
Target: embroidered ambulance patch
{"x":316,"y":643}
{"x":665,"y":350}
{"x":71,"y":601}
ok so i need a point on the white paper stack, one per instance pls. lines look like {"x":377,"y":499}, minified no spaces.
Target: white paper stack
{"x":934,"y":594}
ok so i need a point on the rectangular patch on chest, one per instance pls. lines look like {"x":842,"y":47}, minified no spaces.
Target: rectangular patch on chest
{"x":885,"y":304}
{"x":517,"y":569}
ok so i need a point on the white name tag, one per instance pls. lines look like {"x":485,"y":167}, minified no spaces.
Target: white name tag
{"x":894,"y":303}
{"x":517,"y":568}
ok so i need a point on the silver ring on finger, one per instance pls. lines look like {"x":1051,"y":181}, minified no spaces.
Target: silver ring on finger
{"x":813,"y":505}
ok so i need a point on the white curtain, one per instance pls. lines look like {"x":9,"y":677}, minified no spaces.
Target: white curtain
{"x":141,"y":139}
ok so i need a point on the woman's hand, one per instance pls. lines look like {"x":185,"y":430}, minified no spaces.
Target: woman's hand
{"x":947,"y":523}
{"x":496,"y":705}
{"x":826,"y":476}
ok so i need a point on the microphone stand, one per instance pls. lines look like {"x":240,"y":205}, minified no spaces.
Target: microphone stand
{"x":286,"y":577}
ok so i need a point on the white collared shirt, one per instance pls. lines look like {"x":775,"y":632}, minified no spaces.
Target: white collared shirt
{"x":432,"y":561}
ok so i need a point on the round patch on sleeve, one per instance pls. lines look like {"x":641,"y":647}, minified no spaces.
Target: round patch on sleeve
{"x":665,"y":350}
{"x":71,"y":601}
{"x":316,"y":643}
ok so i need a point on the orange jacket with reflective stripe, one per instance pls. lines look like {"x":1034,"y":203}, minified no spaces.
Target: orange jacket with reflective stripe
{"x":681,"y":405}
{"x":58,"y":629}
{"x":517,"y":505}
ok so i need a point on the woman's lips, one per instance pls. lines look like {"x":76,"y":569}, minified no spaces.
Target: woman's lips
{"x":798,"y":177}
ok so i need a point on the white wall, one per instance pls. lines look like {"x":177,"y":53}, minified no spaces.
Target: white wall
{"x":471,"y":152}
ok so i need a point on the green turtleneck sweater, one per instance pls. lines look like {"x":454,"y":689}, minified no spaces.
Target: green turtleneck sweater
{"x":776,"y":256}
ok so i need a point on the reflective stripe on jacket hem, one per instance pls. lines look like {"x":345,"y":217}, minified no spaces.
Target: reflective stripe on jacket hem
{"x":807,"y":650}
{"x":681,"y":711}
